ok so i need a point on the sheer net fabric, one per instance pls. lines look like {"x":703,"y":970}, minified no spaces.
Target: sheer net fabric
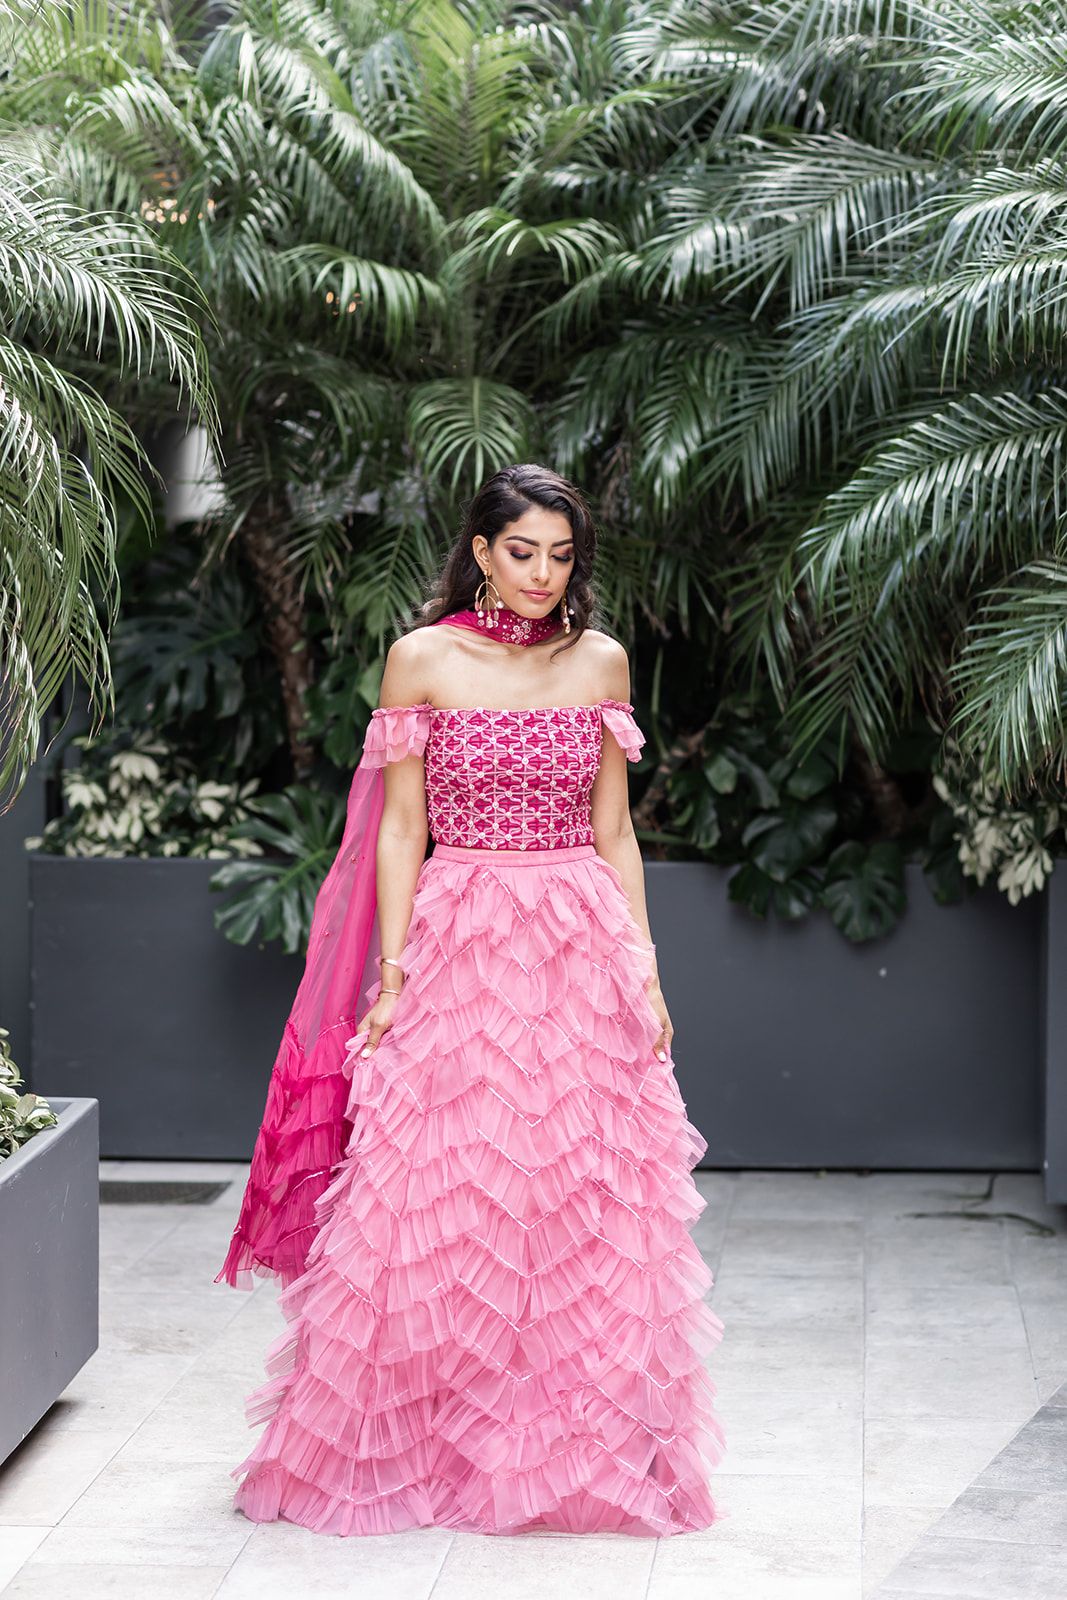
{"x":502,"y":1324}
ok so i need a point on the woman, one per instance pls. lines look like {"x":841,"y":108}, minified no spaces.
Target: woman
{"x":479,"y":1203}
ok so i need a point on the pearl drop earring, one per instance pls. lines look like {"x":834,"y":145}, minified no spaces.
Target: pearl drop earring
{"x":486,"y":617}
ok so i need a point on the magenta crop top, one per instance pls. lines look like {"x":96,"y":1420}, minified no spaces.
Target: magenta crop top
{"x":505,"y":780}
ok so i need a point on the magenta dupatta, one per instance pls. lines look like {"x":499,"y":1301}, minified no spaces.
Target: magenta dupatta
{"x":305,"y":1128}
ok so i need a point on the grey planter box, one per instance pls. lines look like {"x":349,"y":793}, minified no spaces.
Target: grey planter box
{"x":793,"y":1048}
{"x":137,"y":999}
{"x":796,"y":1049}
{"x":50,"y":1226}
{"x":1054,"y":1037}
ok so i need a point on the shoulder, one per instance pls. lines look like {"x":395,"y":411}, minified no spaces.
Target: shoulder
{"x":609,"y":662}
{"x":409,"y":667}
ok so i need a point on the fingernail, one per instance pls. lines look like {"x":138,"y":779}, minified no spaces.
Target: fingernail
{"x":366,"y":1052}
{"x":662,"y":1054}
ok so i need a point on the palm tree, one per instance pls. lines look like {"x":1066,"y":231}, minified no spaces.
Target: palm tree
{"x":879,"y":201}
{"x":384,"y":207}
{"x":84,"y":295}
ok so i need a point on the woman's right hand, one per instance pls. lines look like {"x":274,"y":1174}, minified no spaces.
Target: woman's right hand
{"x":379,"y":1020}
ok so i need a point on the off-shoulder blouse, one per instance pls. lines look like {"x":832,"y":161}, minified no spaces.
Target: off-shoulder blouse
{"x":505,"y":779}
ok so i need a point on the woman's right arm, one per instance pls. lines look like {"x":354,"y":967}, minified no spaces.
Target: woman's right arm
{"x":403,"y":831}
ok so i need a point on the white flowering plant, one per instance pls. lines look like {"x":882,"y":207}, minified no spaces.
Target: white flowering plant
{"x":999,"y":836}
{"x":21,"y":1114}
{"x":138,"y":797}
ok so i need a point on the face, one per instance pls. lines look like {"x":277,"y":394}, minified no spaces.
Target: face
{"x":530,"y":561}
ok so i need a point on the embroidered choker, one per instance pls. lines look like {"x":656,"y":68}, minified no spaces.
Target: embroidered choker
{"x":507,"y":625}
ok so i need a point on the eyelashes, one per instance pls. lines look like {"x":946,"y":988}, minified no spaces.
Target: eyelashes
{"x":520,"y":556}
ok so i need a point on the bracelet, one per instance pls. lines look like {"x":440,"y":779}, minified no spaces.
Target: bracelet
{"x":390,"y":991}
{"x":391,"y":960}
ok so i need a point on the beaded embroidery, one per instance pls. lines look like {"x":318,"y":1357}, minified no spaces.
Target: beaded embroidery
{"x":505,"y":779}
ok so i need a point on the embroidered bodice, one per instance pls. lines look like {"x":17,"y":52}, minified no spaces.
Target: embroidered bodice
{"x":505,"y":780}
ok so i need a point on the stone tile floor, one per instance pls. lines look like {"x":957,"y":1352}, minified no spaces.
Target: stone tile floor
{"x":887,"y":1336}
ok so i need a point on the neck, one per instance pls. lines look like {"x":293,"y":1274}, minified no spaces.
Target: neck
{"x":506,"y":625}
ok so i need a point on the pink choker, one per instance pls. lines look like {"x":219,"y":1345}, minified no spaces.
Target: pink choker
{"x":507,"y":625}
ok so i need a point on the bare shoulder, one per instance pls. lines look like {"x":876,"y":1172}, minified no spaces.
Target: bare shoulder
{"x":609,"y":662}
{"x":410,"y":664}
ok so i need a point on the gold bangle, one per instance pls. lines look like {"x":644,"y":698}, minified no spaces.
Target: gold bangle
{"x":391,"y":960}
{"x":390,"y":991}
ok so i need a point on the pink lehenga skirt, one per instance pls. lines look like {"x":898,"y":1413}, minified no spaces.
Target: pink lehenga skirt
{"x":502,"y":1324}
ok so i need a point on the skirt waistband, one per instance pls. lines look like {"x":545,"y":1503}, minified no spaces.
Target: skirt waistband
{"x":513,"y":858}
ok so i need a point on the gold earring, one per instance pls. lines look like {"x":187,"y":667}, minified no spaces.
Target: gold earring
{"x":487,"y":617}
{"x":566,"y":613}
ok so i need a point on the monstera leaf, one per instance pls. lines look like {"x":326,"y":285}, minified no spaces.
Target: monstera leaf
{"x":863,"y":888}
{"x":790,"y":900}
{"x":273,"y":896}
{"x":784,"y":841}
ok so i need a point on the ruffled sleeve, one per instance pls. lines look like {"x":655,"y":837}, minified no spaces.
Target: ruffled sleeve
{"x":395,"y":732}
{"x":618,"y":716}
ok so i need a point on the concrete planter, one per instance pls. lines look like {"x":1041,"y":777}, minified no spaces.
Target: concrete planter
{"x":1054,"y":1037}
{"x":50,"y":1226}
{"x":793,"y":1048}
{"x":137,"y":999}
{"x":797,"y":1049}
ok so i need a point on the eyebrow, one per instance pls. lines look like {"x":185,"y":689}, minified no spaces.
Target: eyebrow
{"x":523,"y":540}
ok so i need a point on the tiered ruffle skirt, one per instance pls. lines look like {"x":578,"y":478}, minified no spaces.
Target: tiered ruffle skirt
{"x":502,"y":1325}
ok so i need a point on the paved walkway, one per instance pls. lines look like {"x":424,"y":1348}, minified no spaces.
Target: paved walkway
{"x":886,"y":1338}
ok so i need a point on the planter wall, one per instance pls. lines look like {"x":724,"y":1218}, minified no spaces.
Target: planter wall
{"x":139,"y":1000}
{"x":1054,"y":1037}
{"x":796,"y":1049}
{"x":50,"y":1225}
{"x":25,"y":819}
{"x":793,"y":1048}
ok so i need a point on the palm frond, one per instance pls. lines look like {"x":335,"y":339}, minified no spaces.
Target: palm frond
{"x":464,"y":428}
{"x":972,"y":472}
{"x":1011,"y":677}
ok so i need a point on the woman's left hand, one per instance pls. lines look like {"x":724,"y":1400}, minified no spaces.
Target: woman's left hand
{"x":659,"y":1006}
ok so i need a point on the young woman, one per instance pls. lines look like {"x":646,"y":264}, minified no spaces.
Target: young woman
{"x":478,"y":1204}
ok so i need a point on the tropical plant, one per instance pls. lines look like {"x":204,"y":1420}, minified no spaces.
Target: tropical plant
{"x":798,"y":834}
{"x":877,"y":204}
{"x":131,"y":795}
{"x":86,"y":295}
{"x":297,"y":833}
{"x":384,"y":205}
{"x":729,"y":265}
{"x":997,"y":838}
{"x":21,"y":1114}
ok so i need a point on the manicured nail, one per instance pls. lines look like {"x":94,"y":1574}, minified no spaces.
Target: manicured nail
{"x":366,"y":1051}
{"x":662,"y":1054}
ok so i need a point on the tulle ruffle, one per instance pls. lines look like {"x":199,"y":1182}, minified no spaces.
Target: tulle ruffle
{"x":304,"y":1129}
{"x":502,"y":1325}
{"x":617,"y":715}
{"x":302,"y":1137}
{"x":395,"y":732}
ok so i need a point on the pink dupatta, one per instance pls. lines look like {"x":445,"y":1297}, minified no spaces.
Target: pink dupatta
{"x":305,"y":1128}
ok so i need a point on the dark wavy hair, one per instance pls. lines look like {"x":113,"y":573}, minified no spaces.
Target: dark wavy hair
{"x":501,"y":500}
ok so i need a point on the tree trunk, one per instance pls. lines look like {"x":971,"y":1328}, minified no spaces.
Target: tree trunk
{"x":682,"y":750}
{"x":883,"y":793}
{"x":285,"y":622}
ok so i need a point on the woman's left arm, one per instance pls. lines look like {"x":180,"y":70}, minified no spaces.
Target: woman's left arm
{"x":616,"y":841}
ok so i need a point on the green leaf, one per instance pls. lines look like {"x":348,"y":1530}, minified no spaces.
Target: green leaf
{"x":813,"y":775}
{"x":790,"y":901}
{"x":721,"y":773}
{"x":783,"y":842}
{"x":863,"y":889}
{"x":273,"y":897}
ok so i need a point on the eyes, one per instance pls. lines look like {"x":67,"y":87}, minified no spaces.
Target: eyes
{"x":521,"y":555}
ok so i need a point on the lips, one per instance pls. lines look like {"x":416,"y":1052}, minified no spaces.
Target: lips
{"x":537,"y":594}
